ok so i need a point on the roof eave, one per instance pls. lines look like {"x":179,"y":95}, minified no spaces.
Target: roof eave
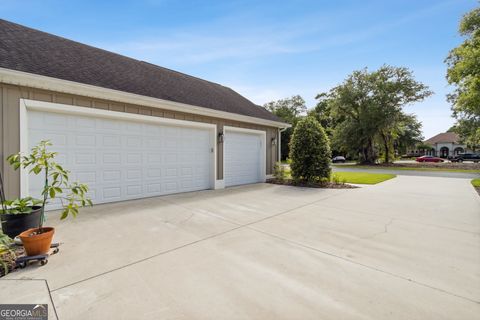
{"x":26,"y":79}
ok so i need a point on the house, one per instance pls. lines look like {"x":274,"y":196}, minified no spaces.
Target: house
{"x":443,"y":145}
{"x":127,"y":128}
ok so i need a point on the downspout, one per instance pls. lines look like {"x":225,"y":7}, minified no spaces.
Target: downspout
{"x":280,"y":130}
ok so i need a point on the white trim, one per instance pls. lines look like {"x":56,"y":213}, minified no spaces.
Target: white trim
{"x":48,"y":83}
{"x":26,"y":105}
{"x":23,"y":147}
{"x":219,"y":184}
{"x":263,"y":157}
{"x":68,"y":109}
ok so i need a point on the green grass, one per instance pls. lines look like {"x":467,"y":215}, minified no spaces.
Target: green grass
{"x":413,"y":168}
{"x":476,"y":183}
{"x":363,"y":177}
{"x":356,"y":177}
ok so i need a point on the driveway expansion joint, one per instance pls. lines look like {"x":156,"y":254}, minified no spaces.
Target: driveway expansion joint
{"x":238,"y":226}
{"x":48,"y":289}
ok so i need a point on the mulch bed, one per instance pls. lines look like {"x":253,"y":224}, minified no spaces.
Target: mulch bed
{"x":10,"y":258}
{"x":324,"y":185}
{"x":478,"y":190}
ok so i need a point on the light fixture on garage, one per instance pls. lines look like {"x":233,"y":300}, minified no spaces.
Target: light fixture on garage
{"x":220,"y":137}
{"x":274,"y":141}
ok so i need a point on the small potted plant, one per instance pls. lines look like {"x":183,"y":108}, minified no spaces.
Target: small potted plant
{"x":56,"y":186}
{"x":19,"y":215}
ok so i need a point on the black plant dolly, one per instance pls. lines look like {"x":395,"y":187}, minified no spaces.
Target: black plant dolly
{"x":22,"y":261}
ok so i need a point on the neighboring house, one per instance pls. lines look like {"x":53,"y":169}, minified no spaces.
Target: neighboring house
{"x":443,"y":145}
{"x":127,"y":128}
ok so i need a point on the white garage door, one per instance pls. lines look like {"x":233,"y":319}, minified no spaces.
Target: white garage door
{"x":122,"y":159}
{"x":243,"y":158}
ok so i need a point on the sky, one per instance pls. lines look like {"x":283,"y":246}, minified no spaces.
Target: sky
{"x":269,"y":50}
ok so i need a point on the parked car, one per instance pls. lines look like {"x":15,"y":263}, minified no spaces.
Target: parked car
{"x":429,"y":159}
{"x":338,"y":159}
{"x":466,"y":157}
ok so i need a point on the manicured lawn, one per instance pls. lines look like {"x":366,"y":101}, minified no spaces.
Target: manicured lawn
{"x":357,"y":177}
{"x":476,"y":183}
{"x":363,"y":177}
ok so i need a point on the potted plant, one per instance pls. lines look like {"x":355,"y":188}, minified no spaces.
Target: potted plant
{"x":19,"y":215}
{"x":56,"y":186}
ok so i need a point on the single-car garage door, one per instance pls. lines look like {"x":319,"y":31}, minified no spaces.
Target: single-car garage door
{"x":244,"y":152}
{"x":122,"y":159}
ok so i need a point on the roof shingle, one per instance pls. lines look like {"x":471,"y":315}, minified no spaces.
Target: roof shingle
{"x":444,"y":137}
{"x":29,"y":50}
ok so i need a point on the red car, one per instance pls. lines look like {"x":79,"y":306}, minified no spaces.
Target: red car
{"x":429,"y":159}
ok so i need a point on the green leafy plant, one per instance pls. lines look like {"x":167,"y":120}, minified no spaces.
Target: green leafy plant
{"x":279,"y":172}
{"x":20,"y":206}
{"x":337,"y":179}
{"x":72,"y":195}
{"x":7,"y":255}
{"x":310,"y":152}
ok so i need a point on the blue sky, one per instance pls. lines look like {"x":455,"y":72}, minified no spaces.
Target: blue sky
{"x":268,"y":50}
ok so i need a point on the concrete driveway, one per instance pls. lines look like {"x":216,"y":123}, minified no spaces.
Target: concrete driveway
{"x":408,"y":248}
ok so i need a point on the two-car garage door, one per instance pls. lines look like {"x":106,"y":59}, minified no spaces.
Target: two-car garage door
{"x":122,"y":159}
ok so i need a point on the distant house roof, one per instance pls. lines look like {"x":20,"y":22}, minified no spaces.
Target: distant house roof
{"x":29,"y":50}
{"x":448,"y":137}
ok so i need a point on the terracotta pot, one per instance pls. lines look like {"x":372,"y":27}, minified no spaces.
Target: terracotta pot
{"x":37,"y":243}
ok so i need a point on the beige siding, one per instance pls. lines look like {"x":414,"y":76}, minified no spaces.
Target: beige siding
{"x":10,"y":130}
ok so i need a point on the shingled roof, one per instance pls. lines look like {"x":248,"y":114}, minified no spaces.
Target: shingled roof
{"x":444,"y":137}
{"x":29,"y":50}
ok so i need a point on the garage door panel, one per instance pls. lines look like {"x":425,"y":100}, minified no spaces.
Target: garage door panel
{"x":243,"y":158}
{"x":122,"y":160}
{"x":83,"y":122}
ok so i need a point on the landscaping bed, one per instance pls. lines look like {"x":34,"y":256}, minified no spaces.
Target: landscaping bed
{"x":7,"y":259}
{"x":326,"y":185}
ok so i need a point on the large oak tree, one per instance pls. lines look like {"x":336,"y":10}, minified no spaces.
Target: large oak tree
{"x":367,"y":109}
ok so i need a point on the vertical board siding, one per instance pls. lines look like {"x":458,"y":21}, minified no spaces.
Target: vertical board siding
{"x":2,"y":133}
{"x":11,"y":137}
{"x":10,"y":125}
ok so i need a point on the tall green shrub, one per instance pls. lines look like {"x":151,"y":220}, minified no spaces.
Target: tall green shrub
{"x":310,"y":152}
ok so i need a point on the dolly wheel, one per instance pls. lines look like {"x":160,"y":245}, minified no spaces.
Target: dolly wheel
{"x":43,"y":262}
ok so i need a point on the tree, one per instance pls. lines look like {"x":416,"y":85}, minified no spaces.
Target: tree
{"x":368,"y":107}
{"x":408,"y":134}
{"x":290,"y":110}
{"x":310,"y":152}
{"x":464,"y":73}
{"x":322,"y":112}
